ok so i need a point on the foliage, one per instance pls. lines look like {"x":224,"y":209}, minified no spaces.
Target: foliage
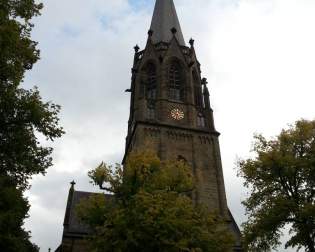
{"x":22,"y":112}
{"x":150,"y":209}
{"x":281,"y":178}
{"x":13,"y":210}
{"x":23,"y":117}
{"x":18,"y":51}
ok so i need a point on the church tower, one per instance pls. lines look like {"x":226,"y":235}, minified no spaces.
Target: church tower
{"x":170,"y":109}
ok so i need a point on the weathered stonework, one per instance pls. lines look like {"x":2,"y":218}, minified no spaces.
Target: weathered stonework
{"x":194,"y":136}
{"x":166,"y":76}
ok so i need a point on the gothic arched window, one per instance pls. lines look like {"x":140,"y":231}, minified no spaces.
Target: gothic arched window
{"x":201,"y":121}
{"x":150,"y":82}
{"x":197,"y":91}
{"x":176,"y":89}
{"x":150,"y":87}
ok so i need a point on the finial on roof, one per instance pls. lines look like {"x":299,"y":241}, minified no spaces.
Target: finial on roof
{"x":72,"y":184}
{"x":204,"y":81}
{"x":191,"y":42}
{"x":136,"y":48}
{"x":163,"y":20}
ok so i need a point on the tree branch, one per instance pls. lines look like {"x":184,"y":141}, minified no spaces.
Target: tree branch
{"x":106,"y":189}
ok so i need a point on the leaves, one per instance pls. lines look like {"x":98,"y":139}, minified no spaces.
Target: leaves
{"x":23,"y":117}
{"x":18,"y":51}
{"x":150,"y":209}
{"x":282,"y":183}
{"x":13,"y":210}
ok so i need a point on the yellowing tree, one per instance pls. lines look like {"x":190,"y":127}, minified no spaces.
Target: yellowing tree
{"x":150,"y":209}
{"x":23,"y":114}
{"x":281,"y":179}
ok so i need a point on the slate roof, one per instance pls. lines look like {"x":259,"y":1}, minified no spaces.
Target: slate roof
{"x":72,"y":225}
{"x":235,"y":230}
{"x":164,"y":19}
{"x":73,"y":228}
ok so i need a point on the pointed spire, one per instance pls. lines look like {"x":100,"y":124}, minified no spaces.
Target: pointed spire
{"x":165,"y":21}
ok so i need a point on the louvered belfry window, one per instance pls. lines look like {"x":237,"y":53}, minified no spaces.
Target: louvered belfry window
{"x":175,"y":82}
{"x":151,"y":82}
{"x":150,"y":90}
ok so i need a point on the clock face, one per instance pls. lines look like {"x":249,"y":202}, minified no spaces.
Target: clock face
{"x":177,"y":114}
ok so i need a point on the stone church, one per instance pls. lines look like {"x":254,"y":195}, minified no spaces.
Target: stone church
{"x":170,"y":108}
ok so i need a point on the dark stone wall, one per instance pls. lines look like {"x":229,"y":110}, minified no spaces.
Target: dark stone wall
{"x":170,"y":138}
{"x":199,"y":149}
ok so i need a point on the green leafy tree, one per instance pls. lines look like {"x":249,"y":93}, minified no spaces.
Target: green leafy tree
{"x":23,"y":117}
{"x":150,"y":210}
{"x":13,"y":210}
{"x":281,"y":180}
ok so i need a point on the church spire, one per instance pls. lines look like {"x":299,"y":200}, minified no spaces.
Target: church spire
{"x":164,"y":21}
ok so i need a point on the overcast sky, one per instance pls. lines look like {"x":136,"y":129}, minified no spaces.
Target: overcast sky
{"x":258,"y":56}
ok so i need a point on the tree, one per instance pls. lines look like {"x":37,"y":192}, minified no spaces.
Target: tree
{"x":13,"y":210}
{"x":150,"y":210}
{"x":281,"y":180}
{"x":23,"y":117}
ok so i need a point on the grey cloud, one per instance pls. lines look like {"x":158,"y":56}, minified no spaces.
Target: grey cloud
{"x":85,"y":67}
